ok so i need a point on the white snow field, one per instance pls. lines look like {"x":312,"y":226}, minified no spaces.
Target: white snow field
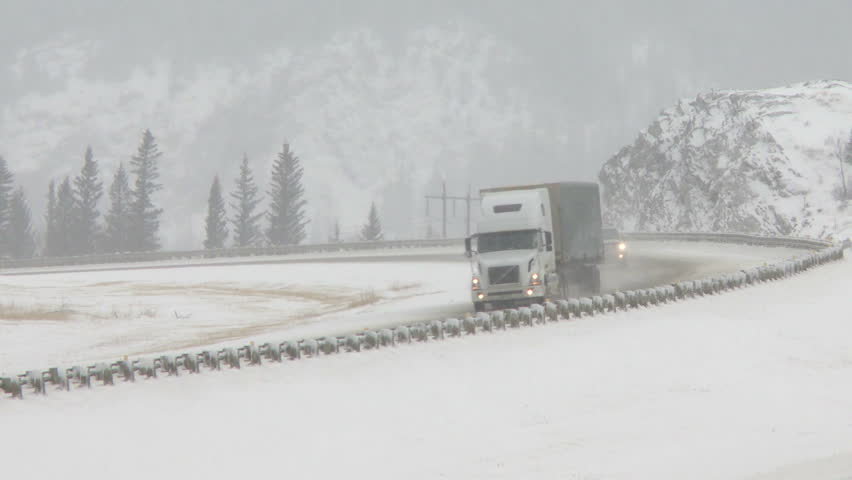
{"x":750,"y":384}
{"x":80,"y":317}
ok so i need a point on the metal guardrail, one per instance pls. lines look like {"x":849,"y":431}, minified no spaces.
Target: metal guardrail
{"x":137,"y":257}
{"x":248,"y":252}
{"x":738,"y":238}
{"x":61,"y":378}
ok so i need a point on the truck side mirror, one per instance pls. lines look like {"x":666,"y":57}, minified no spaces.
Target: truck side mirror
{"x":467,"y":251}
{"x":548,"y":241}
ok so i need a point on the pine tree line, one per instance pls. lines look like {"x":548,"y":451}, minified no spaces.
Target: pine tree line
{"x":285,"y":215}
{"x":75,"y":224}
{"x":73,"y":216}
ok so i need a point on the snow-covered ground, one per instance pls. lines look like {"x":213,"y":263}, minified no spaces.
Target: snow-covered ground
{"x":751,"y":384}
{"x":76,"y":317}
{"x":80,"y":317}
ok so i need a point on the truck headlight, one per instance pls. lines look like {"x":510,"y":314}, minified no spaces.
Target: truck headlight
{"x":480,"y":296}
{"x":535,"y":279}
{"x":475,"y":283}
{"x":622,"y":246}
{"x":530,"y":292}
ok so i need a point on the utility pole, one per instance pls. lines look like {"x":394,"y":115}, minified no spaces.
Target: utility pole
{"x":444,"y":209}
{"x":444,"y":198}
{"x":467,"y":213}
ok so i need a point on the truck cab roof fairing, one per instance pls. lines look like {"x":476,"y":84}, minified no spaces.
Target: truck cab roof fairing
{"x":514,"y":210}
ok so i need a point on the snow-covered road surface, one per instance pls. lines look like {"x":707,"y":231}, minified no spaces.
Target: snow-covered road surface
{"x":82,"y":317}
{"x":732,"y":386}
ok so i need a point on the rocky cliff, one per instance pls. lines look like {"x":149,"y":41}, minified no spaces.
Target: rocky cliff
{"x":752,"y":161}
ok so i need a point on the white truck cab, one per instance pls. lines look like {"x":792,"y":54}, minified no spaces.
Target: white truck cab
{"x":513,"y":250}
{"x":536,"y":242}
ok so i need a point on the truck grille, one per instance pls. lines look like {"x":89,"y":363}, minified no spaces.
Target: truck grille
{"x":503,"y":275}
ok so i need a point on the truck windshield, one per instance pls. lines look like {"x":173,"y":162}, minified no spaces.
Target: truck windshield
{"x":513,"y":240}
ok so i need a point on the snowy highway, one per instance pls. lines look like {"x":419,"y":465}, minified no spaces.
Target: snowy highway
{"x":63,"y":318}
{"x":751,"y":384}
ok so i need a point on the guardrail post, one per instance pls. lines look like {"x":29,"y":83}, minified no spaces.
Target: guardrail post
{"x":403,"y":334}
{"x":498,"y":319}
{"x":353,"y":343}
{"x":386,"y":337}
{"x":12,"y":387}
{"x":436,"y":329}
{"x":371,"y":340}
{"x":453,"y":327}
{"x":126,"y":370}
{"x":525,"y":315}
{"x":328,"y":345}
{"x":310,"y":347}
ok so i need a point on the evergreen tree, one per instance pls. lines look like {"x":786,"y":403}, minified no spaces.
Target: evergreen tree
{"x":216,"y":225}
{"x":88,"y":189}
{"x":372,"y":230}
{"x":67,"y":218}
{"x":21,"y":239}
{"x":117,"y":234}
{"x":7,"y":184}
{"x":245,"y":221}
{"x":144,"y":216}
{"x":286,"y":205}
{"x":51,"y":238}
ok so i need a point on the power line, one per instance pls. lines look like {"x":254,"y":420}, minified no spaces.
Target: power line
{"x":444,"y":198}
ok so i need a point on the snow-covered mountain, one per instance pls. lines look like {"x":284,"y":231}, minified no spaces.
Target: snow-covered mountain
{"x":752,"y":161}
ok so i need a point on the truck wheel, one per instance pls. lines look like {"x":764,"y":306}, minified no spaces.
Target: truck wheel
{"x":478,"y":307}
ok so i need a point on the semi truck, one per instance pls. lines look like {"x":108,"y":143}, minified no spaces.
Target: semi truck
{"x":535,"y":242}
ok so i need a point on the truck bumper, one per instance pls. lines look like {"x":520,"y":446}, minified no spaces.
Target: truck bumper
{"x":509,"y":297}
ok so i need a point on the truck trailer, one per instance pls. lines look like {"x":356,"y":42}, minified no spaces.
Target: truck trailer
{"x":535,"y":242}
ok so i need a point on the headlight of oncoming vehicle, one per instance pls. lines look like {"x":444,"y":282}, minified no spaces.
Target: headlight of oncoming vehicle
{"x":622,"y":246}
{"x":535,"y":279}
{"x":474,"y":283}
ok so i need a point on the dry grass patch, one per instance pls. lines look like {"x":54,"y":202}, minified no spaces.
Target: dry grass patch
{"x":319,"y":294}
{"x":398,"y":286}
{"x":130,"y":312}
{"x":11,"y":311}
{"x":366,"y":297}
